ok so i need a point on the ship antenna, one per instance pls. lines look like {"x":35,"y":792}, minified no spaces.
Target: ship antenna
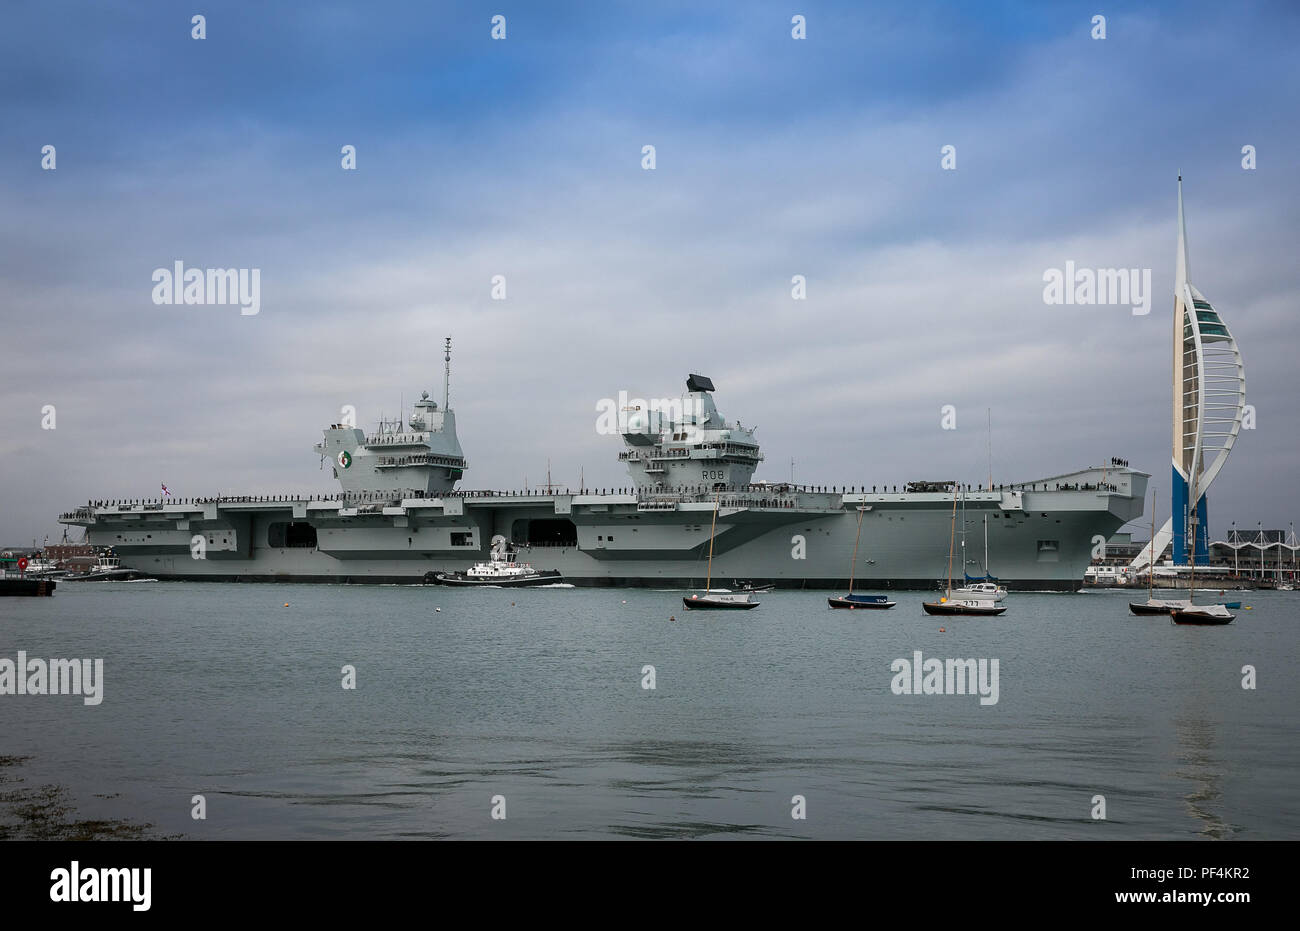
{"x":990,"y":412}
{"x":446,"y":376}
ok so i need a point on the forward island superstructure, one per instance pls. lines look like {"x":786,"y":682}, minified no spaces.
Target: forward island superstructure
{"x":400,"y":517}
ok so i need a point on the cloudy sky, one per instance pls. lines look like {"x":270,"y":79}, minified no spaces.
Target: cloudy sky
{"x":522,"y":157}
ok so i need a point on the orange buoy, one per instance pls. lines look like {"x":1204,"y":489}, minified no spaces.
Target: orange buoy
{"x":286,"y":604}
{"x":943,"y":630}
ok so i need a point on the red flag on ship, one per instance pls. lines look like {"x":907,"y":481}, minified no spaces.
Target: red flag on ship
{"x":165,"y":491}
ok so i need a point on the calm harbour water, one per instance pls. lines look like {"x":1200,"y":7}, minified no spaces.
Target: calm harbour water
{"x":535,"y":695}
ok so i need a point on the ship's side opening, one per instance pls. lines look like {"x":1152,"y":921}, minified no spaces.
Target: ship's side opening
{"x":545,"y":532}
{"x":291,"y":535}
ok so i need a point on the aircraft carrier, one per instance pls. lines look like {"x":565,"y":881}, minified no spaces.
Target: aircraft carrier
{"x":400,"y":517}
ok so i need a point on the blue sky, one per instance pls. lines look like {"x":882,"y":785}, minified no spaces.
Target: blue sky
{"x":522,"y":158}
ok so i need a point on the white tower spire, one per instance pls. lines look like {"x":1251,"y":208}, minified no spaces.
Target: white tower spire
{"x":1184,"y":262}
{"x":1209,"y":401}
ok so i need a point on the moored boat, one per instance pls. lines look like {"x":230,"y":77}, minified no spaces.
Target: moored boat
{"x":1203,"y":615}
{"x":978,"y":603}
{"x":710,"y":599}
{"x":720,"y":601}
{"x":1155,"y":606}
{"x":963,"y":606}
{"x":981,"y":590}
{"x":14,"y":581}
{"x":1192,"y":613}
{"x":852,"y":601}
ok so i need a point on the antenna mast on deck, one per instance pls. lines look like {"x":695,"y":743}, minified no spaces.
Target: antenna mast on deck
{"x":446,"y":376}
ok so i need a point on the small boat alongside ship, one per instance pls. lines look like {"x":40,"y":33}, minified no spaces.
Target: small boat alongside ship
{"x":108,"y":568}
{"x":500,"y":571}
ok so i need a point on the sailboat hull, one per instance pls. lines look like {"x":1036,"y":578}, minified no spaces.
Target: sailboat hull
{"x":949,"y":608}
{"x":1155,"y":607}
{"x":1200,"y":617}
{"x":852,"y":603}
{"x":718,"y":603}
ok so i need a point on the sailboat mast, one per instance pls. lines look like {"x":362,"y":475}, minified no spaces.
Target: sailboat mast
{"x":854,"y":565}
{"x":708,"y":578}
{"x":1151,"y":567}
{"x":952,"y":537}
{"x":963,"y":536}
{"x":987,"y":573}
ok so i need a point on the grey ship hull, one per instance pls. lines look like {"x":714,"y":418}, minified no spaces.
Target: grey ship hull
{"x":1041,"y":535}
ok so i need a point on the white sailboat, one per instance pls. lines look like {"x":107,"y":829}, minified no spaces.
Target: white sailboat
{"x":1154,"y":605}
{"x":717,"y":601}
{"x":951,"y":603}
{"x":1192,"y":613}
{"x":986,"y":587}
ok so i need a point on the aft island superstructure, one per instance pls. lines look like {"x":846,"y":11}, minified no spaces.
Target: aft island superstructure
{"x":400,"y":517}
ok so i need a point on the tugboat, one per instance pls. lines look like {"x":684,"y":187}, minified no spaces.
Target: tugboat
{"x":501,"y":570}
{"x":108,"y":568}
